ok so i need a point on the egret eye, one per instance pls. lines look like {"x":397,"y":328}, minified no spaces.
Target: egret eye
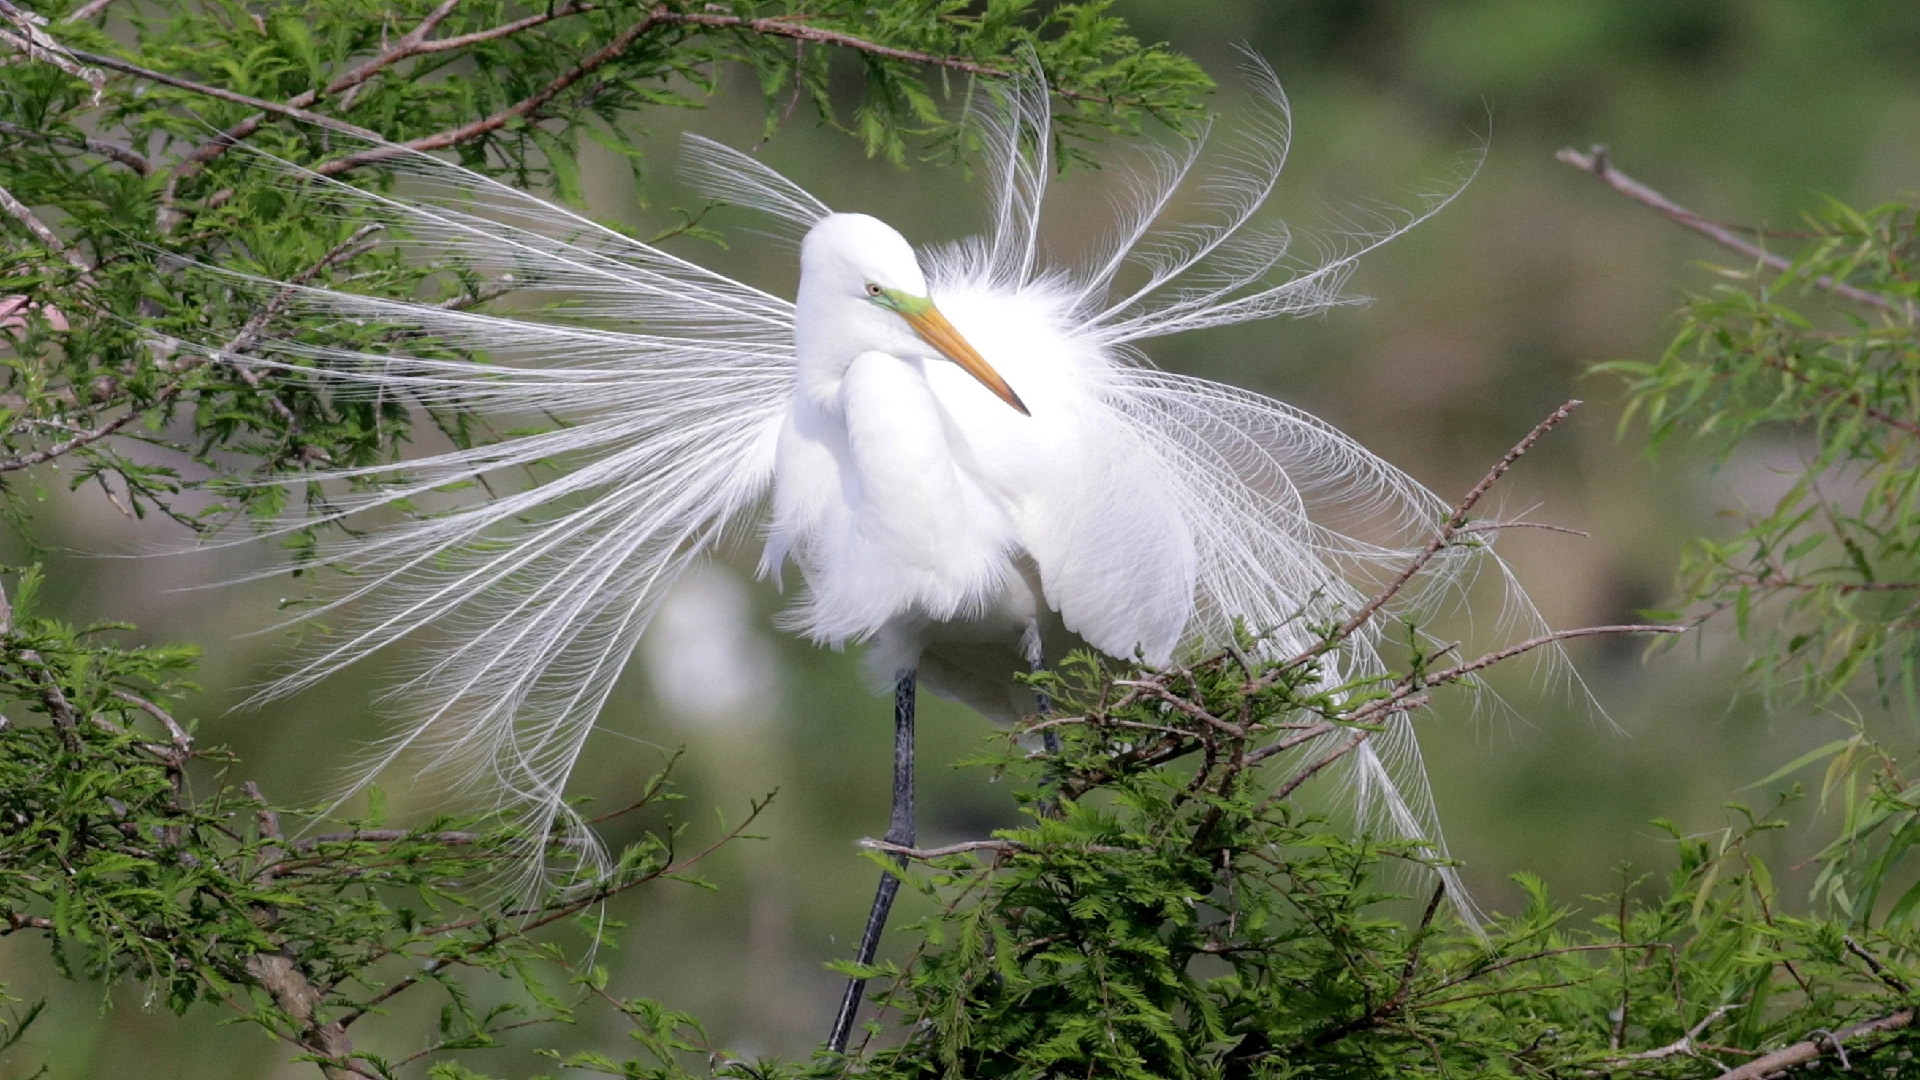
{"x":874,"y":290}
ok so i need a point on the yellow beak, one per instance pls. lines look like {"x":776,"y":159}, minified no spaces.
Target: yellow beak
{"x":939,"y":333}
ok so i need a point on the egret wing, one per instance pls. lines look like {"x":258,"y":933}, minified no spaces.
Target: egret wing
{"x":649,"y":444}
{"x":1295,"y":527}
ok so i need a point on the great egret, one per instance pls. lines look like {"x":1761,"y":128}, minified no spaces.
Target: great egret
{"x":959,"y":447}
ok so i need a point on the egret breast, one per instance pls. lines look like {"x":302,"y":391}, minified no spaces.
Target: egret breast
{"x":882,"y":511}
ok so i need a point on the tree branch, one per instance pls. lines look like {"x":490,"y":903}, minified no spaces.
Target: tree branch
{"x":281,"y":978}
{"x":461,"y":41}
{"x":453,"y":136}
{"x":1603,"y":170}
{"x":1813,"y":1049}
{"x":19,"y":211}
{"x":409,"y":44}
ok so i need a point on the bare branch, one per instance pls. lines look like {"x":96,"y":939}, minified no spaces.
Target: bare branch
{"x":17,"y":922}
{"x":1603,"y":170}
{"x":461,"y":41}
{"x":1458,"y":518}
{"x":1813,"y":1049}
{"x":659,"y":16}
{"x":1496,"y":526}
{"x":61,"y":711}
{"x":87,"y":10}
{"x":194,"y":162}
{"x":36,"y":44}
{"x":283,"y":981}
{"x":1293,"y":782}
{"x":787,"y":28}
{"x":48,"y":238}
{"x":409,"y":44}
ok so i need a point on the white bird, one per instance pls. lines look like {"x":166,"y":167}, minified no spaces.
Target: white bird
{"x":960,"y":448}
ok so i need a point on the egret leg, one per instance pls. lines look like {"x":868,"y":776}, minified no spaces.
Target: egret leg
{"x":1036,"y":663}
{"x":1043,"y":703}
{"x":899,"y":831}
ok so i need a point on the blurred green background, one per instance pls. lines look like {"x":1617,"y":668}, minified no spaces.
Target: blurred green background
{"x":1484,"y":319}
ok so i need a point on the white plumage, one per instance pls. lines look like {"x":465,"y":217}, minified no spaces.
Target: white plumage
{"x":1137,"y":510}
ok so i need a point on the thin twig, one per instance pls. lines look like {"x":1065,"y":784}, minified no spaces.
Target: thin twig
{"x":1854,"y":398}
{"x":1879,"y":970}
{"x":1496,"y":526}
{"x":1684,"y":1044}
{"x":229,"y":355}
{"x":1602,"y":169}
{"x":17,"y":921}
{"x":449,"y":838}
{"x":277,"y":108}
{"x":1445,"y":534}
{"x":61,"y":711}
{"x":1458,"y":671}
{"x":461,"y":41}
{"x":194,"y":162}
{"x":1293,"y":783}
{"x":350,"y":248}
{"x":778,"y":27}
{"x":412,"y":43}
{"x":658,"y":17}
{"x":541,"y":918}
{"x":1002,"y":846}
{"x":130,"y":158}
{"x":176,"y":732}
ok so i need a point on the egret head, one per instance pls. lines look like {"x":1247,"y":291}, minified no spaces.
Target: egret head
{"x":861,"y":290}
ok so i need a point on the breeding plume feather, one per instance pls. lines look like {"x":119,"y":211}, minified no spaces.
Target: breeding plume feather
{"x":962,"y":449}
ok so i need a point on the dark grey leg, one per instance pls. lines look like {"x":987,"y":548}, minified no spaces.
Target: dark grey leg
{"x":1036,"y":663}
{"x":1043,"y":702}
{"x":899,"y":831}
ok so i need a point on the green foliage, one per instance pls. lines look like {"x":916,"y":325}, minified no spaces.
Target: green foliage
{"x":1829,"y":401}
{"x":117,"y":146}
{"x":1169,"y":911}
